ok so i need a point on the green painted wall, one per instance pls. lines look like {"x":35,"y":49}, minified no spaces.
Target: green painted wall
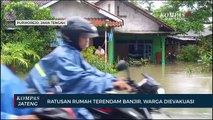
{"x":156,"y":42}
{"x":157,"y":47}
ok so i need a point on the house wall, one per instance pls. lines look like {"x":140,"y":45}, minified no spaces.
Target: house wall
{"x":66,"y":9}
{"x":122,"y":48}
{"x":104,"y":5}
{"x":134,"y":21}
{"x":121,"y":51}
{"x":157,"y":47}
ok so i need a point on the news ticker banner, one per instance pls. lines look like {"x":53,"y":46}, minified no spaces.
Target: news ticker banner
{"x":113,"y":100}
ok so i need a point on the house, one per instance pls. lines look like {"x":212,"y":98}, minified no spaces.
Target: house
{"x":66,"y":9}
{"x":96,"y":15}
{"x":141,"y":36}
{"x":175,"y":42}
{"x":131,"y":31}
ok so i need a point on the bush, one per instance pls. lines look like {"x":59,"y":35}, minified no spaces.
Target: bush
{"x":16,"y":54}
{"x":19,"y":49}
{"x":206,"y":53}
{"x":97,"y":61}
{"x":189,"y":53}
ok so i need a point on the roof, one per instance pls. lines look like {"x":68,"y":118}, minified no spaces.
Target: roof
{"x":192,"y":36}
{"x":114,"y":22}
{"x":183,"y":38}
{"x":101,"y":22}
{"x":205,"y":32}
{"x":147,"y":32}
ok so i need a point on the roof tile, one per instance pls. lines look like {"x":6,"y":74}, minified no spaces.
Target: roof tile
{"x":99,"y":22}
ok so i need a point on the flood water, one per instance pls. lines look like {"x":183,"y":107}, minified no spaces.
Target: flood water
{"x":176,"y":79}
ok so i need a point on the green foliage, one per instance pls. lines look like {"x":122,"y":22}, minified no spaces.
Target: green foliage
{"x":97,"y":61}
{"x":17,"y":54}
{"x":141,"y":62}
{"x":134,"y":62}
{"x":31,"y":39}
{"x":136,"y":2}
{"x":189,"y":53}
{"x":200,"y":11}
{"x":205,"y":52}
{"x":144,"y":61}
{"x":3,"y":21}
{"x":148,"y":5}
{"x":189,"y":69}
{"x":41,"y":36}
{"x":206,"y":45}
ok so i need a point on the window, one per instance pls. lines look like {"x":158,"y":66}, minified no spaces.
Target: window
{"x":109,"y":7}
{"x":141,"y":49}
{"x":118,"y":10}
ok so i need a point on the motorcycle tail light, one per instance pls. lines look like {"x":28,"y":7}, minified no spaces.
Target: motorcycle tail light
{"x":107,"y":110}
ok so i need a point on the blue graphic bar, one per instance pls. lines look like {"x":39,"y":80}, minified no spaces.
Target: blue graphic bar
{"x":114,"y":100}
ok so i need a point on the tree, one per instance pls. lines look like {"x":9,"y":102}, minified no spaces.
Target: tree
{"x":14,"y":55}
{"x":197,"y":14}
{"x":136,"y":2}
{"x":3,"y":21}
{"x":39,"y":37}
{"x":149,"y":5}
{"x":205,"y":52}
{"x":28,"y":43}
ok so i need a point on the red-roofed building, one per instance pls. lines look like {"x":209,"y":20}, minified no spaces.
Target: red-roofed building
{"x":132,"y":32}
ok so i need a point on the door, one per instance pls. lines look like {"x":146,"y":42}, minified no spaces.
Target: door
{"x":147,"y":50}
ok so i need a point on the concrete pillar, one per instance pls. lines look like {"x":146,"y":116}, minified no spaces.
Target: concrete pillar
{"x":163,"y":60}
{"x":163,"y":51}
{"x":111,"y":46}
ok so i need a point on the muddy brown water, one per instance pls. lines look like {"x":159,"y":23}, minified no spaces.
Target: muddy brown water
{"x":176,"y":79}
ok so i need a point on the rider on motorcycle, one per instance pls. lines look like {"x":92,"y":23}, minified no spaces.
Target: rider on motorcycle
{"x":10,"y":85}
{"x":74,"y":73}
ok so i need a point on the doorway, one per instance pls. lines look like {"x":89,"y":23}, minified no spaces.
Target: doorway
{"x":140,"y":49}
{"x":98,"y":41}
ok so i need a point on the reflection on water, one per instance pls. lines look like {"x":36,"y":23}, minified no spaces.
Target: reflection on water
{"x":176,"y":80}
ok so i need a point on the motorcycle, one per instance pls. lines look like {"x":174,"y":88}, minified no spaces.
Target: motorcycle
{"x":147,"y":86}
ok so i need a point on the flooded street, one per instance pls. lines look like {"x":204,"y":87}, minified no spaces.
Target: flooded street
{"x":176,"y":80}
